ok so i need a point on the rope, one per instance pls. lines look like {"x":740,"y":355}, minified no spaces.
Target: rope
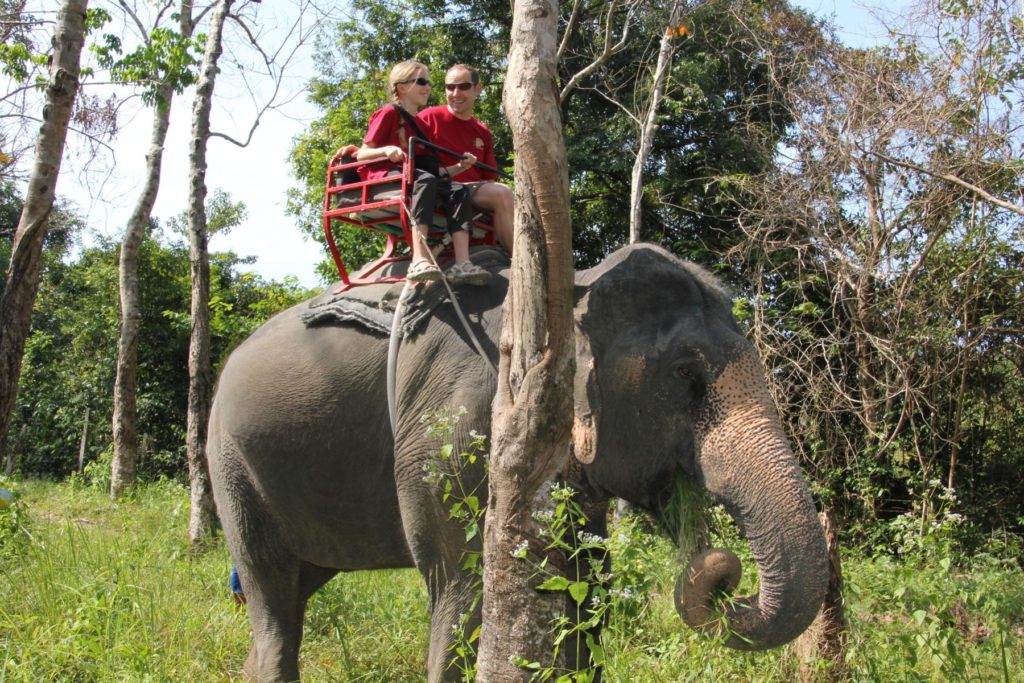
{"x":395,"y":338}
{"x":393,"y":343}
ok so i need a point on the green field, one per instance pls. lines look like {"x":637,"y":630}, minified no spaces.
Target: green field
{"x":105,"y":592}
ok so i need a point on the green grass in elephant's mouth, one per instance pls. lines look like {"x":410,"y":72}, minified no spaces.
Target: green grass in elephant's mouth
{"x":685,"y":516}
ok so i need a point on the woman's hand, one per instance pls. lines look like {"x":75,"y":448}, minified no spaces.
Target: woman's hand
{"x":467,"y":161}
{"x":393,"y":153}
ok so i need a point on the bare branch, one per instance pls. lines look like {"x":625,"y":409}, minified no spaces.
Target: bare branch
{"x":570,"y":27}
{"x":609,"y":49}
{"x":950,"y":178}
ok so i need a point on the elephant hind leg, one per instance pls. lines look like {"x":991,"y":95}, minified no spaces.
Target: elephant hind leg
{"x":312,"y":578}
{"x":275,"y":614}
{"x":276,"y":611}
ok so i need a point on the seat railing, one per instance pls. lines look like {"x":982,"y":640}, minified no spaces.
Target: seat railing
{"x":350,"y":199}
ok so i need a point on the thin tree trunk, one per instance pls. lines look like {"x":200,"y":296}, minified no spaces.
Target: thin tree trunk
{"x":202,"y":516}
{"x":650,"y":127}
{"x":22,"y":281}
{"x":14,"y":452}
{"x":125,"y":427}
{"x":85,"y":440}
{"x":533,"y":405}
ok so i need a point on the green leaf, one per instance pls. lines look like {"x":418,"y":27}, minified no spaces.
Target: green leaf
{"x":578,"y":590}
{"x":554,"y":583}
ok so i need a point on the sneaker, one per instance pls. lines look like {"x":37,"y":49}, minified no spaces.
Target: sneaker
{"x":422,"y":270}
{"x":467,"y":272}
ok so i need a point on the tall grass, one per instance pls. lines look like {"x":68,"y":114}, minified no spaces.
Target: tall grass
{"x":107,"y":592}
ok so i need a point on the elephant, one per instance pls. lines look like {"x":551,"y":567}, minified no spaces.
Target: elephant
{"x":309,"y":481}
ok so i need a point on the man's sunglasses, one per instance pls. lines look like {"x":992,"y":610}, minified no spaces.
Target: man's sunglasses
{"x":418,"y":81}
{"x":452,"y":87}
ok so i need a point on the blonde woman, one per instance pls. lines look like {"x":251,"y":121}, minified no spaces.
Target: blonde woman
{"x":390,"y":128}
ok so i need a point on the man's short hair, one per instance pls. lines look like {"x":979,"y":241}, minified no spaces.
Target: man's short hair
{"x":474,"y":77}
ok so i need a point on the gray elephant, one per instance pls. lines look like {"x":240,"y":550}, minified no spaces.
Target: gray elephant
{"x":309,"y":482}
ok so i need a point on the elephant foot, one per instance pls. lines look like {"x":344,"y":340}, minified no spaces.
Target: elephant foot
{"x":268,"y":670}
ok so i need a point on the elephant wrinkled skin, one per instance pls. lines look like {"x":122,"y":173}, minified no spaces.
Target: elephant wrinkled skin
{"x":309,"y":482}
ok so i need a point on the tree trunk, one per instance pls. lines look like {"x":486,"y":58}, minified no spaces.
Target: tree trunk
{"x":84,"y":442}
{"x":826,"y":637}
{"x":14,"y":452}
{"x":202,"y":516}
{"x":649,"y":128}
{"x":125,"y":428}
{"x":22,"y":281}
{"x":533,"y":405}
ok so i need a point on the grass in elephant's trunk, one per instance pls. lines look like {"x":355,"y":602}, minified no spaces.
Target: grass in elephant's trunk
{"x":686,"y":518}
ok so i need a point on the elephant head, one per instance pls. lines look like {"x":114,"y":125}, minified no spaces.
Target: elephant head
{"x":666,"y":383}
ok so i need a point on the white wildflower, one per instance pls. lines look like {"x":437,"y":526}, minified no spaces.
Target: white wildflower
{"x":590,"y":539}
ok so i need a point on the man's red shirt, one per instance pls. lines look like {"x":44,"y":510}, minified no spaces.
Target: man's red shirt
{"x":463,"y":136}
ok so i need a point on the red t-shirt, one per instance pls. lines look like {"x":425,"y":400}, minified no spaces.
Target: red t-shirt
{"x":461,"y":135}
{"x":386,"y":128}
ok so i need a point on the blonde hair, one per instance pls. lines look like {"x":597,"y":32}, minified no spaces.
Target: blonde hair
{"x":403,"y":72}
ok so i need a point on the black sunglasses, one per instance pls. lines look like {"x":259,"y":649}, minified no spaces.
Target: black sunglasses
{"x":418,"y":81}
{"x":452,"y":87}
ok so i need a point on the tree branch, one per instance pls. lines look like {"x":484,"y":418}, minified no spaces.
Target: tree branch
{"x":606,"y":53}
{"x":950,"y":178}
{"x":570,"y":27}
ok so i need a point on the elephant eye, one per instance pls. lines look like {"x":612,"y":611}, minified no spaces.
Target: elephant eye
{"x":692,"y":380}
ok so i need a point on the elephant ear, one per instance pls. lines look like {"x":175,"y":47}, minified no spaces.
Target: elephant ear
{"x":585,"y":399}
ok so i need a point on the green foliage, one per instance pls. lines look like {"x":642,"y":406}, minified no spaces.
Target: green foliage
{"x":461,"y":484}
{"x":564,"y":526}
{"x":166,"y":59}
{"x":14,"y":533}
{"x":70,"y":357}
{"x":96,"y":474}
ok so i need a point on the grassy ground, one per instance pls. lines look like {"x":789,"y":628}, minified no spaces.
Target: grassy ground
{"x":108,"y":592}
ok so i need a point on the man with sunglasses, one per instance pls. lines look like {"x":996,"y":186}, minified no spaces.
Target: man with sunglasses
{"x":453,"y":125}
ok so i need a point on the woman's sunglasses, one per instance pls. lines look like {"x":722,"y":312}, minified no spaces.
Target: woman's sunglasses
{"x":452,"y":87}
{"x":418,"y":81}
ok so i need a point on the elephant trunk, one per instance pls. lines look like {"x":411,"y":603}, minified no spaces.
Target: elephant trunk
{"x":746,"y":463}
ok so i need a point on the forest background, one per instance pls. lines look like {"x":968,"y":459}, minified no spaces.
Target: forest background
{"x":864,"y":204}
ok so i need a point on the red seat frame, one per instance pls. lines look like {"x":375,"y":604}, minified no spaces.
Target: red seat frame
{"x":377,"y":205}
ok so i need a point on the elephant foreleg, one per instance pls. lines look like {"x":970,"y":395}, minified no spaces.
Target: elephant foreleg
{"x":449,"y":631}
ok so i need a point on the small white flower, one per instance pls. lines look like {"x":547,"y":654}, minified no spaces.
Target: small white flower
{"x":519,"y":552}
{"x":590,"y":539}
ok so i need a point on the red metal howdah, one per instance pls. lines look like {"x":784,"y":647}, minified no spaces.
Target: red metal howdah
{"x":378,"y":205}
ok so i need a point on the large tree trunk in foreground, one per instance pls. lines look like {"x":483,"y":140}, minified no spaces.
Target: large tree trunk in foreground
{"x":22,"y":281}
{"x":125,"y":429}
{"x":533,"y":406}
{"x":202,"y":516}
